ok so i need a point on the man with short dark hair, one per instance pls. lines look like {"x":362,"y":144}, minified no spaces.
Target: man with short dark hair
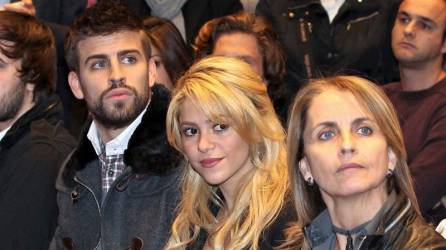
{"x":418,"y":42}
{"x":33,"y":142}
{"x":119,"y":188}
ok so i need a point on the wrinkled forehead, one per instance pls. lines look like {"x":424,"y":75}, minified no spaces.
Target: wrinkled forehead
{"x":335,"y":105}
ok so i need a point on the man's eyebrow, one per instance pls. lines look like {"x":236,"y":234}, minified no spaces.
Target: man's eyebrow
{"x":92,"y":57}
{"x":129,"y":51}
{"x":427,"y":20}
{"x":422,"y":18}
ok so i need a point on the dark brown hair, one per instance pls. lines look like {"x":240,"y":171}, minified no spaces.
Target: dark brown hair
{"x":243,"y":22}
{"x":24,"y":37}
{"x":173,"y":50}
{"x":104,"y":18}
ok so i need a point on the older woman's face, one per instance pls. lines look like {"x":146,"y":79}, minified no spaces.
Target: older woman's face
{"x":345,"y":151}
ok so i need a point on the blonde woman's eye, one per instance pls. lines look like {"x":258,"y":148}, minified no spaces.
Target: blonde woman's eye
{"x":220,"y":127}
{"x":190,"y":131}
{"x":366,"y":131}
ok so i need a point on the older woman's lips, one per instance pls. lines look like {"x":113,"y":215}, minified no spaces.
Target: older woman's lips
{"x":349,"y":166}
{"x":210,"y":162}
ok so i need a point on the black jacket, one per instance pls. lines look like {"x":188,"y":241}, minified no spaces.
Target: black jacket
{"x":272,"y":236}
{"x":139,"y":207}
{"x":31,"y":154}
{"x":195,"y":12}
{"x":356,"y":42}
{"x":398,"y":228}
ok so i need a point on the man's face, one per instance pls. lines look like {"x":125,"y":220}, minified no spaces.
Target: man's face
{"x":114,"y":77}
{"x":242,"y":46}
{"x":417,"y":36}
{"x":12,"y":90}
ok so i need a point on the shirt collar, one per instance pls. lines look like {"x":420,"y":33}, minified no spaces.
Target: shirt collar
{"x":119,"y":144}
{"x":3,"y":133}
{"x":321,"y":235}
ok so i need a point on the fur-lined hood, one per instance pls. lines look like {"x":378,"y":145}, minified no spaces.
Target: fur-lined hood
{"x":148,"y":150}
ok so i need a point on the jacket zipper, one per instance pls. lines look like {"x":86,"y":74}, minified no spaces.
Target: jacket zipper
{"x":349,"y":25}
{"x":303,"y":5}
{"x":97,"y":204}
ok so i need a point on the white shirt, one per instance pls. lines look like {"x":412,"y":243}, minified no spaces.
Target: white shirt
{"x":3,"y":133}
{"x":332,"y":7}
{"x":119,"y":144}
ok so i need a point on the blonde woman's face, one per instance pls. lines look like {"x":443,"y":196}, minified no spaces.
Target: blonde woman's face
{"x":215,"y":150}
{"x":345,"y":151}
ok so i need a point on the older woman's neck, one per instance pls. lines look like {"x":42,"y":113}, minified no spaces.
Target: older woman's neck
{"x":350,"y":212}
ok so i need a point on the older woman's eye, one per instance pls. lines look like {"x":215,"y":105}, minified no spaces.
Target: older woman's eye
{"x":326,"y":135}
{"x":365,"y":131}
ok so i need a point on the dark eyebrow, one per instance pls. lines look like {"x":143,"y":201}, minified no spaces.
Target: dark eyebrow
{"x":97,"y":56}
{"x":355,"y":122}
{"x":324,"y":124}
{"x":104,"y":56}
{"x":129,"y":51}
{"x":186,"y":123}
{"x":246,"y":59}
{"x":422,"y":18}
{"x":427,"y":20}
{"x":360,"y":120}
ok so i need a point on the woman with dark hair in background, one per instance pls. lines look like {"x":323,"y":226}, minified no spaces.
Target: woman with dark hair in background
{"x":169,"y":50}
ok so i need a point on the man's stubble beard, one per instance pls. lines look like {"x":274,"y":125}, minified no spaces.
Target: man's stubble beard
{"x":120,"y":113}
{"x":12,"y":102}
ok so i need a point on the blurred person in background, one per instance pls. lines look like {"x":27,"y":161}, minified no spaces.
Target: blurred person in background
{"x":169,"y":51}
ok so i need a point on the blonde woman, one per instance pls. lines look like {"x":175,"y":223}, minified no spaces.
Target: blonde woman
{"x":235,"y":186}
{"x":348,"y":171}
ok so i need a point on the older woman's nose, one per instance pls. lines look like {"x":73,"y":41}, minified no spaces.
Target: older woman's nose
{"x":347,"y":144}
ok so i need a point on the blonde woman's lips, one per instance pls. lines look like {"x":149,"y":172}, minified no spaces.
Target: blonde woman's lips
{"x":210,"y":162}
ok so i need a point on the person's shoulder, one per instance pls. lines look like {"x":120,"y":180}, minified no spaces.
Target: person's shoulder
{"x":423,"y":236}
{"x":393,"y":86}
{"x":54,"y":136}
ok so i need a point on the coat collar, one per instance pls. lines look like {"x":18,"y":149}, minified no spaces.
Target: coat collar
{"x":148,"y":151}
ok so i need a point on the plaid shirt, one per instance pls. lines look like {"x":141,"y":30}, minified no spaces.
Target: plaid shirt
{"x":112,"y":167}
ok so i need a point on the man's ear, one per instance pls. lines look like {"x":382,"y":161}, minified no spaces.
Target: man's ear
{"x":392,"y":160}
{"x":152,"y":71}
{"x":305,"y":170}
{"x":73,"y":80}
{"x":30,"y":87}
